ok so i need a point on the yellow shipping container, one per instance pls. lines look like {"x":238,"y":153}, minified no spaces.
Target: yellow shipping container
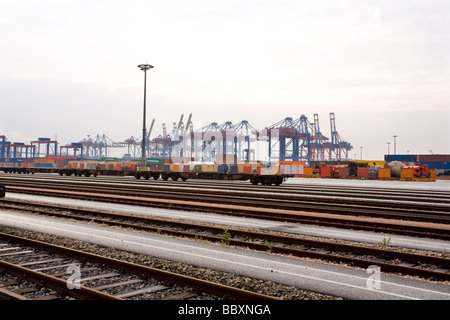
{"x":433,"y":174}
{"x":384,"y":173}
{"x":308,"y":171}
{"x":210,"y":168}
{"x":371,"y":162}
{"x":407,"y":174}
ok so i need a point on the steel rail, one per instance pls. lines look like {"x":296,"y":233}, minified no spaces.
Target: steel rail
{"x":162,"y":275}
{"x":402,"y":210}
{"x":59,"y":285}
{"x":296,"y":194}
{"x":382,"y":192}
{"x":322,"y":219}
{"x":86,"y":215}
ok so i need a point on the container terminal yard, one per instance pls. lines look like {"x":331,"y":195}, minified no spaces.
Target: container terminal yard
{"x":196,"y":226}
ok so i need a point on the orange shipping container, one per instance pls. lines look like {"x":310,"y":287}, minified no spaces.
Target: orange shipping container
{"x":308,"y":171}
{"x":433,"y":173}
{"x":384,"y":173}
{"x":44,"y":160}
{"x":295,"y":163}
{"x":407,"y":174}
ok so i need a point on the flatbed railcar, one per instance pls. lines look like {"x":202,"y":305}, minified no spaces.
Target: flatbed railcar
{"x":164,"y":175}
{"x":253,"y":178}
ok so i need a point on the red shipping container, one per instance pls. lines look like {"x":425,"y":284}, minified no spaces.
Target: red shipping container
{"x":363,"y":172}
{"x":247,"y":169}
{"x":432,"y":157}
{"x":344,"y":172}
{"x":325,"y":172}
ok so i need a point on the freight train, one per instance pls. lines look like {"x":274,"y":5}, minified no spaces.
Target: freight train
{"x":256,"y":172}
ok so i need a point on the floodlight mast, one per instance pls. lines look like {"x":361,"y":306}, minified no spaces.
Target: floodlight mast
{"x":144,"y":67}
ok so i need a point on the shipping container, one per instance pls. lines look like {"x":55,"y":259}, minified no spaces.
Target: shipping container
{"x":154,"y":161}
{"x":407,"y":174}
{"x":384,"y":173}
{"x":400,"y":157}
{"x":433,"y":158}
{"x":156,"y":167}
{"x":223,"y":168}
{"x":330,"y":163}
{"x":109,"y":159}
{"x":371,"y":162}
{"x":286,"y":169}
{"x":344,"y":172}
{"x":325,"y":172}
{"x":298,"y":163}
{"x":184,"y":168}
{"x":44,"y":160}
{"x":247,"y":169}
{"x":363,"y":172}
{"x":308,"y":171}
{"x":275,"y":170}
{"x":436,"y":165}
{"x":61,"y":157}
{"x":209,"y":167}
{"x":43,"y":165}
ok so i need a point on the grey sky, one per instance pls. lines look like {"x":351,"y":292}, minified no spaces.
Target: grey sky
{"x":69,"y":68}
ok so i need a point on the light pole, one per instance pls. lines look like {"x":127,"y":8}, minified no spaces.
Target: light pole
{"x":144,"y":67}
{"x":395,"y":144}
{"x":361,"y":152}
{"x":389,"y":145}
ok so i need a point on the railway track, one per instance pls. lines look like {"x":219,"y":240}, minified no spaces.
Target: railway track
{"x":69,"y":272}
{"x":417,"y":229}
{"x":428,"y":209}
{"x":403,"y":194}
{"x":422,"y":265}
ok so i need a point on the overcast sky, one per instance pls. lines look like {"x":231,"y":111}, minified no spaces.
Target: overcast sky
{"x":69,"y":68}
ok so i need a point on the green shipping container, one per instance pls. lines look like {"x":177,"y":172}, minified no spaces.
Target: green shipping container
{"x":109,"y":159}
{"x":155,"y":161}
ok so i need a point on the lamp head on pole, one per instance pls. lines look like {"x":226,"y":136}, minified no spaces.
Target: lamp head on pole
{"x":145,"y":67}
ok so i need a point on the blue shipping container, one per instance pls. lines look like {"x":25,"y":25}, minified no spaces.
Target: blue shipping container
{"x":400,"y":157}
{"x":436,"y":165}
{"x":222,"y":168}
